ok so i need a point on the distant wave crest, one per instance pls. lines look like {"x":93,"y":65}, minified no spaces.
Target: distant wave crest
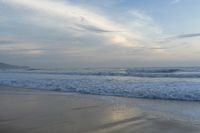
{"x":131,"y":72}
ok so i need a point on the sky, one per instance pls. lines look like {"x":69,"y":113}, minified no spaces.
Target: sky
{"x":100,"y":33}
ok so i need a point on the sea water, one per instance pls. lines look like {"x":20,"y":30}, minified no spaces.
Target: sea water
{"x":177,"y":83}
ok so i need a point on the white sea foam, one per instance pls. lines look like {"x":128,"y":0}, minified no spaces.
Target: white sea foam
{"x":117,"y":82}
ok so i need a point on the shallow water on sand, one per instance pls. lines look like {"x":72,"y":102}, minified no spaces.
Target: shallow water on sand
{"x":32,"y":111}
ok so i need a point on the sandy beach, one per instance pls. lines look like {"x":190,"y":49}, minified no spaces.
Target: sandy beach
{"x":35,"y":111}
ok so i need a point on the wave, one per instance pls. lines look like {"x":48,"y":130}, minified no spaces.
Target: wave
{"x":171,"y":89}
{"x":190,"y":72}
{"x":153,"y":70}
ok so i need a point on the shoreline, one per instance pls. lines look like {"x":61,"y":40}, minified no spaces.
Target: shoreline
{"x":98,"y":95}
{"x":29,"y":110}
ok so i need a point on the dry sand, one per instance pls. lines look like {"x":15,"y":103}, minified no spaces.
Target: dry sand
{"x":34,"y":111}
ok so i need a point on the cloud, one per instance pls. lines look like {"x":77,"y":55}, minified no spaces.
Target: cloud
{"x":179,"y":42}
{"x":94,"y":29}
{"x":187,"y":36}
{"x":181,"y":36}
{"x":6,"y":42}
{"x":22,"y":48}
{"x":74,"y":33}
{"x":77,"y":20}
{"x":140,"y":15}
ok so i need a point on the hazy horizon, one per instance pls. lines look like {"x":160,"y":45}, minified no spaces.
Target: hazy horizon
{"x":106,"y":33}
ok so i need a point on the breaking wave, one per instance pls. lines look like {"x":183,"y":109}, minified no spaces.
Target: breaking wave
{"x":154,"y":83}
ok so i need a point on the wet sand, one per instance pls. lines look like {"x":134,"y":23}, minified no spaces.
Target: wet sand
{"x":35,"y":111}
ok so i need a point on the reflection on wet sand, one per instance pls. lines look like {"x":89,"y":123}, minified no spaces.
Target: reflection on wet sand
{"x":29,"y":111}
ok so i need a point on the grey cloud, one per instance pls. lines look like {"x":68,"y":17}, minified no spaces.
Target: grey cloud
{"x":187,"y":35}
{"x":3,"y":42}
{"x":94,"y":29}
{"x":181,"y":36}
{"x":24,"y":49}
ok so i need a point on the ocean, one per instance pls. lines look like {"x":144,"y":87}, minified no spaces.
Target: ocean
{"x":177,"y":83}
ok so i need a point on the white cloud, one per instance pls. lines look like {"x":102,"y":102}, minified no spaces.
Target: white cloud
{"x":78,"y":20}
{"x":22,"y":48}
